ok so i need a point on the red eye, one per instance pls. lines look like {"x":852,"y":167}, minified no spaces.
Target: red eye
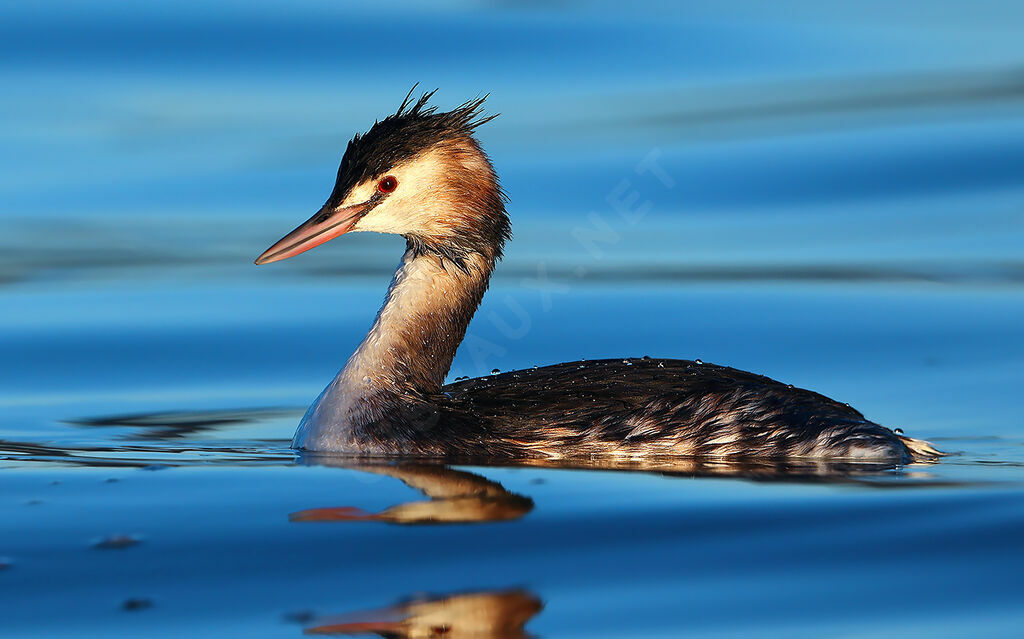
{"x":387,"y":184}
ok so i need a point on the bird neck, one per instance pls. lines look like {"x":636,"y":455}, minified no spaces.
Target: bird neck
{"x":412,"y":343}
{"x":401,"y":364}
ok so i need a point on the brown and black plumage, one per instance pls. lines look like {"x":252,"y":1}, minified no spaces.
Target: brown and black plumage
{"x":421,"y":174}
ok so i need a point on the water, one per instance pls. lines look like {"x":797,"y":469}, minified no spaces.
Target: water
{"x":829,"y":195}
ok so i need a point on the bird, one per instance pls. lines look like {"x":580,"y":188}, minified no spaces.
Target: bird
{"x":422,"y":174}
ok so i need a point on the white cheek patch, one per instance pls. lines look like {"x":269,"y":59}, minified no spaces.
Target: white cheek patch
{"x":383,"y":219}
{"x":414,"y":205}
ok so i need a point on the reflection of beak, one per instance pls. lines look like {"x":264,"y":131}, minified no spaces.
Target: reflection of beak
{"x":327,"y":224}
{"x":342,"y":513}
{"x":381,"y":621}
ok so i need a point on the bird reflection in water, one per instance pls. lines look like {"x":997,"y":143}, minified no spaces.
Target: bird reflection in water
{"x":500,"y":614}
{"x":455,"y":496}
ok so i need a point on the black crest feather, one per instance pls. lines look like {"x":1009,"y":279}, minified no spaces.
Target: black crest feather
{"x":413,"y":128}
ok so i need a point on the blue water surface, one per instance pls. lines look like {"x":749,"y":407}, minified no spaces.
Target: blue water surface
{"x":831,"y":194}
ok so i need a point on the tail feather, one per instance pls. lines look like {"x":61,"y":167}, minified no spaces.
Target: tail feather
{"x":921,"y":449}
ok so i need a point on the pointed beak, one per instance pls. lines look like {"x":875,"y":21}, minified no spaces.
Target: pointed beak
{"x":328,"y":223}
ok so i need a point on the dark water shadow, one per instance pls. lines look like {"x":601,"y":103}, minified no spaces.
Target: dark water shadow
{"x":169,"y":439}
{"x":143,"y":456}
{"x":177,"y":425}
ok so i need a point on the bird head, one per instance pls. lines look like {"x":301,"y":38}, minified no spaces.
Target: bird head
{"x":418,"y":173}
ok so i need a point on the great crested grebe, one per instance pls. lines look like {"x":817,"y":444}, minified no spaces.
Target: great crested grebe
{"x":421,"y":174}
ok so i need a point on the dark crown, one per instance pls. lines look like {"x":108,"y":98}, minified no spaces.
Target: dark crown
{"x":414,"y":128}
